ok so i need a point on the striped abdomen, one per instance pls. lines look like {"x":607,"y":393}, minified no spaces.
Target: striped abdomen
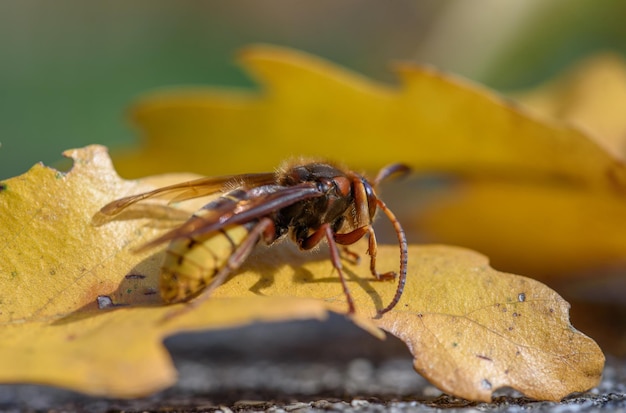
{"x":191,"y":263}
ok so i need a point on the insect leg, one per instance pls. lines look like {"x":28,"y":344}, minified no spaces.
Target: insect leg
{"x":372,"y":250}
{"x":347,"y":254}
{"x":335,"y":257}
{"x":265,"y":228}
{"x":347,"y":239}
{"x":354,"y":236}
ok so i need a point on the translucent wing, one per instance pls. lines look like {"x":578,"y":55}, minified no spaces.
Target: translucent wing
{"x":261,"y":203}
{"x":190,"y":189}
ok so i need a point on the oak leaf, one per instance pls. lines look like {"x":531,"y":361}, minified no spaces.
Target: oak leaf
{"x":536,"y":227}
{"x":590,"y":95}
{"x":80,"y":310}
{"x":525,"y":186}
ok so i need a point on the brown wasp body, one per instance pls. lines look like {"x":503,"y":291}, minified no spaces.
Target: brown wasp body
{"x":308,"y":202}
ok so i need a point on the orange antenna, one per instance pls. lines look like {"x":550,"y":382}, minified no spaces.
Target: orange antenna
{"x":393,"y":169}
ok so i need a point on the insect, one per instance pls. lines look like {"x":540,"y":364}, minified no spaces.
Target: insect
{"x":306,"y":201}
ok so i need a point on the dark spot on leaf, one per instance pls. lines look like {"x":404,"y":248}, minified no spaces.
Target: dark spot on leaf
{"x":516,"y":315}
{"x":420,"y":315}
{"x":521,"y":297}
{"x":52,"y":272}
{"x":3,"y":186}
{"x":135,"y":277}
{"x":511,"y":328}
{"x":128,"y":291}
{"x":480,"y":356}
{"x":454,"y":344}
{"x":150,"y":291}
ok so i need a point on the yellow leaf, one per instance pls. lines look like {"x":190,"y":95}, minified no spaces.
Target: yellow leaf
{"x":473,"y":330}
{"x":435,"y":123}
{"x":547,"y":228}
{"x":470,"y":328}
{"x":590,"y":95}
{"x":55,"y":266}
{"x":549,"y":231}
{"x":309,"y":107}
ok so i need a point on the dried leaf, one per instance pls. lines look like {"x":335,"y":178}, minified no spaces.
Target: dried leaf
{"x":55,"y":266}
{"x":529,"y":228}
{"x":470,"y":328}
{"x":518,"y":171}
{"x":473,"y":329}
{"x":536,"y":226}
{"x":309,"y":107}
{"x":590,"y":95}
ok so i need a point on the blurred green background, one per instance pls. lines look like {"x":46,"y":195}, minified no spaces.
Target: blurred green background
{"x":70,"y":68}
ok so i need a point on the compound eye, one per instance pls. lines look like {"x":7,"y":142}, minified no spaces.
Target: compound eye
{"x":371,"y":198}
